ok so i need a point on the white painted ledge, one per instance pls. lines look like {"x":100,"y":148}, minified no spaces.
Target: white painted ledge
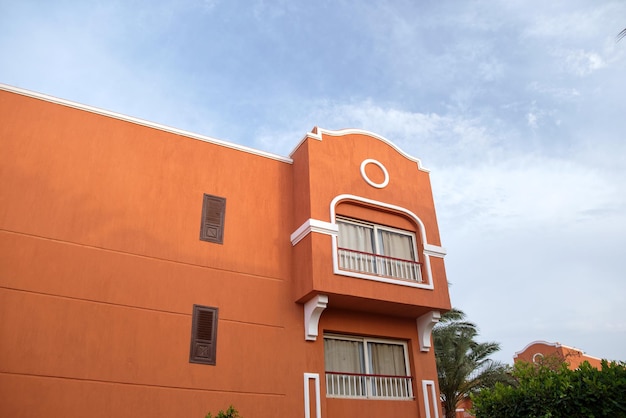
{"x":313,"y":225}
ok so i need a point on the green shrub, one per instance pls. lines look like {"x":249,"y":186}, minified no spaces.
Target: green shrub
{"x":549,"y":391}
{"x":230,"y":413}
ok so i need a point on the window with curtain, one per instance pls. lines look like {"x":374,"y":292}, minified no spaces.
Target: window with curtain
{"x":387,"y":359}
{"x":377,"y":249}
{"x":365,"y":367}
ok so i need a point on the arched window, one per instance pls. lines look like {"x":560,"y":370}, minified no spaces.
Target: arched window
{"x":381,"y":242}
{"x":377,"y":249}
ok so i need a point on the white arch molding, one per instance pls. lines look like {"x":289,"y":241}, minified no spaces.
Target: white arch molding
{"x":429,"y":249}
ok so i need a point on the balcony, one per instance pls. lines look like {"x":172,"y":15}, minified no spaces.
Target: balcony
{"x":366,"y":267}
{"x":370,"y":386}
{"x":379,"y":265}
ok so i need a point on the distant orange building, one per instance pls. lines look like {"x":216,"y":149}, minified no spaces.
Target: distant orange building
{"x":538,"y":350}
{"x":148,"y":271}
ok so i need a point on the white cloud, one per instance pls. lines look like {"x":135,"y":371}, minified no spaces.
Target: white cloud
{"x":525,"y":189}
{"x":558,"y":93}
{"x":561,"y":26}
{"x":438,"y":137}
{"x":554,"y":23}
{"x":209,"y":5}
{"x":491,"y":69}
{"x":582,"y":63}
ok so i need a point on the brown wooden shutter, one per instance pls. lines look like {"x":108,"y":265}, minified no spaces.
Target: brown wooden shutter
{"x":213,"y":211}
{"x":203,"y":335}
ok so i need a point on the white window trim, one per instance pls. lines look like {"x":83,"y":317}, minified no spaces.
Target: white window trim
{"x":307,"y":401}
{"x":428,"y":388}
{"x":430,"y":250}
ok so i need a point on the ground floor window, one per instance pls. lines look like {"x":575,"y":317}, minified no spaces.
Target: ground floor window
{"x":366,"y":368}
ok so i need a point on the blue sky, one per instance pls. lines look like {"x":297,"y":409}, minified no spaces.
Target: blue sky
{"x":517,"y":108}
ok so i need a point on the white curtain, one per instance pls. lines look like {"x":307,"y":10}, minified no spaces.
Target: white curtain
{"x":396,"y":245}
{"x":387,"y":359}
{"x":343,"y":356}
{"x":356,"y":237}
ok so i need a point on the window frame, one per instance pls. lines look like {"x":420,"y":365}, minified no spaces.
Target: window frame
{"x":368,"y":363}
{"x":376,"y":241}
{"x":203,"y":350}
{"x":426,"y":250}
{"x":213,"y":219}
{"x":377,"y":273}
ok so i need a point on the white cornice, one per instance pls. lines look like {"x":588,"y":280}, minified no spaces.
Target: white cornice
{"x":434,"y":250}
{"x":555,"y":345}
{"x":317,"y":132}
{"x":313,"y":225}
{"x":142,"y":122}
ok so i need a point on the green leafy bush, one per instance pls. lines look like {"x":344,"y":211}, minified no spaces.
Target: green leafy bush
{"x":230,"y":413}
{"x":555,"y":391}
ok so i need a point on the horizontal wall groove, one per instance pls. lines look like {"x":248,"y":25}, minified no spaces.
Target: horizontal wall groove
{"x":111,"y":382}
{"x":147,"y":257}
{"x":122,"y":305}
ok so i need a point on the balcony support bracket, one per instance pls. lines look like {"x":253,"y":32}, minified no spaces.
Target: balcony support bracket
{"x":425,"y":324}
{"x":313,"y":309}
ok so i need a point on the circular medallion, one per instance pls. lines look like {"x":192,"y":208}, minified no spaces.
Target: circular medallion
{"x":378,"y":185}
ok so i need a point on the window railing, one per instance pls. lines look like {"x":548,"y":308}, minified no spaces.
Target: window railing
{"x":354,"y":385}
{"x":379,"y":265}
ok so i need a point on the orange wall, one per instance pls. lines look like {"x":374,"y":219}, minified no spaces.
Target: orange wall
{"x":101,"y":264}
{"x":79,"y":177}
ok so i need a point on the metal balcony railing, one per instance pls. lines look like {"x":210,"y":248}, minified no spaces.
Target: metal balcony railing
{"x":379,"y":265}
{"x":354,"y":385}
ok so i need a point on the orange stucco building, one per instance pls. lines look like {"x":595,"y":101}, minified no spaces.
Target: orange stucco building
{"x":148,"y":271}
{"x":537,"y":351}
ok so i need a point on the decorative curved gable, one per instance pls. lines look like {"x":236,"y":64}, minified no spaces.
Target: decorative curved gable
{"x":317,"y":133}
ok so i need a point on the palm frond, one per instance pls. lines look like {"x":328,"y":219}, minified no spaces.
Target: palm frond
{"x":621,"y":35}
{"x":463,"y":364}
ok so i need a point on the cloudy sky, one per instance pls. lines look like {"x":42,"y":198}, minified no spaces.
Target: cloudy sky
{"x":518,"y":108}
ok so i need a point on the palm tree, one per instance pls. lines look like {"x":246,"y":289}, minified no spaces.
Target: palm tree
{"x":463,"y":366}
{"x":621,"y":35}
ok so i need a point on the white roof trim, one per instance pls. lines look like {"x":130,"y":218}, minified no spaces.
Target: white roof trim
{"x":555,"y":345}
{"x":517,"y":353}
{"x":317,"y":132}
{"x":434,"y":250}
{"x":142,"y":122}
